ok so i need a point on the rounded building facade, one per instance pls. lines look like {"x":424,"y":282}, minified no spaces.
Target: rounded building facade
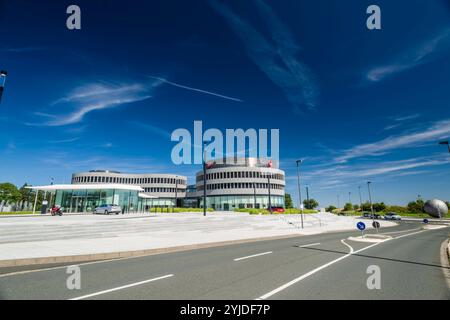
{"x":244,"y":183}
{"x":164,"y":187}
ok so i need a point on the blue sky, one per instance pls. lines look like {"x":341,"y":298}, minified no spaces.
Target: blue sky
{"x":354,"y":104}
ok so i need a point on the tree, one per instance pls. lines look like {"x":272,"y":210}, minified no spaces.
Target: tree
{"x":26,"y":195}
{"x":310,"y":204}
{"x":330,"y":208}
{"x":366,"y":206}
{"x":416,"y":206}
{"x":378,"y":207}
{"x":348,"y":207}
{"x":8,"y":194}
{"x":355,"y":207}
{"x":288,"y":201}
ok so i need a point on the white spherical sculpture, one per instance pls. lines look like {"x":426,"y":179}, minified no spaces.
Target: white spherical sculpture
{"x":435,"y":208}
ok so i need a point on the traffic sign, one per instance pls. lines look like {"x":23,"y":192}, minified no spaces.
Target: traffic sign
{"x":361,"y":226}
{"x":376,"y":224}
{"x":425,"y":220}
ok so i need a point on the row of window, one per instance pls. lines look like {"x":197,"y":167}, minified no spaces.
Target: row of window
{"x":163,"y":190}
{"x":139,"y":181}
{"x":243,"y":185}
{"x":240,"y":174}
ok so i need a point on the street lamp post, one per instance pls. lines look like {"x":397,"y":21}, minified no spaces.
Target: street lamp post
{"x":349,"y":197}
{"x":339,"y":203}
{"x":360,"y":198}
{"x":298,"y":162}
{"x":254,"y":195}
{"x":370,"y":199}
{"x":270,"y":196}
{"x":3,"y":75}
{"x":176,"y":191}
{"x":445,"y":143}
{"x":51,"y":194}
{"x":204,"y":179}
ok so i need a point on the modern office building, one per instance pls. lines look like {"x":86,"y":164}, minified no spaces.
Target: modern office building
{"x":241,"y":183}
{"x":231,"y":183}
{"x":165,"y":189}
{"x":86,"y":197}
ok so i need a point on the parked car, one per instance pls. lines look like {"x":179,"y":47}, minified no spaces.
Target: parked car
{"x":371,"y":216}
{"x":108,"y":208}
{"x":392,"y":216}
{"x":278,"y":209}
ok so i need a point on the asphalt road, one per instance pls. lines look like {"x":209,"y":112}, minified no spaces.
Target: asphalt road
{"x":409,"y":264}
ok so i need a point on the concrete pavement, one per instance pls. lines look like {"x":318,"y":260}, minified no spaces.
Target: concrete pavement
{"x":296,"y":268}
{"x":90,"y":237}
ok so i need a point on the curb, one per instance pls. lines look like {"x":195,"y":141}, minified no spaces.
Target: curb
{"x":130,"y":254}
{"x":445,"y":260}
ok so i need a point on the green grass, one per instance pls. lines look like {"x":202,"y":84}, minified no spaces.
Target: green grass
{"x":265,"y":211}
{"x":18,"y":212}
{"x":156,"y":210}
{"x":401,"y":214}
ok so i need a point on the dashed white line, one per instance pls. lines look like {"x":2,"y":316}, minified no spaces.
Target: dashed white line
{"x":121,"y":287}
{"x":253,"y":255}
{"x":309,"y":245}
{"x":310,"y":273}
{"x":306,"y":275}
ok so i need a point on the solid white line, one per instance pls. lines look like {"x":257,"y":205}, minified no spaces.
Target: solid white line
{"x":351,"y":248}
{"x":122,"y":287}
{"x":399,"y":231}
{"x":306,"y":275}
{"x":254,"y":255}
{"x":309,"y":245}
{"x":409,"y":234}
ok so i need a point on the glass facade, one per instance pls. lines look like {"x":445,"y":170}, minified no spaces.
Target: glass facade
{"x":86,"y":200}
{"x":241,"y":202}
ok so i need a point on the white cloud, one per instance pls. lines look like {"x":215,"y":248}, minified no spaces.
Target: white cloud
{"x":98,"y":96}
{"x":438,"y":130}
{"x":279,"y":61}
{"x":195,"y":89}
{"x":409,"y":59}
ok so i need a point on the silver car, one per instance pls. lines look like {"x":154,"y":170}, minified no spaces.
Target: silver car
{"x":108,"y":208}
{"x":392,"y":216}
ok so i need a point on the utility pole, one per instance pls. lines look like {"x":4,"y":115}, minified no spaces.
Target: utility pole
{"x":360,"y":198}
{"x":445,"y":143}
{"x":298,"y":162}
{"x":176,"y":191}
{"x":370,"y":200}
{"x":204,"y":179}
{"x":270,"y":201}
{"x":3,"y":75}
{"x":254,"y":195}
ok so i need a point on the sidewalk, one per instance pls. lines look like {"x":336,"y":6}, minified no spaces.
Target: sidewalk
{"x":89,"y":237}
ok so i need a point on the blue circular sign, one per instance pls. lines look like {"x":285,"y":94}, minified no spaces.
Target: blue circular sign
{"x":361,"y":226}
{"x":425,"y":220}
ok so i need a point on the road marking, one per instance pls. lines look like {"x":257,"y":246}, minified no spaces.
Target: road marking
{"x":309,"y":245}
{"x":400,"y":231}
{"x":253,"y":255}
{"x":409,"y":234}
{"x":351,"y":248}
{"x":306,"y":275}
{"x":121,"y":287}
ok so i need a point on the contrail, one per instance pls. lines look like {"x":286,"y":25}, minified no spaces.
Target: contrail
{"x":195,"y":89}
